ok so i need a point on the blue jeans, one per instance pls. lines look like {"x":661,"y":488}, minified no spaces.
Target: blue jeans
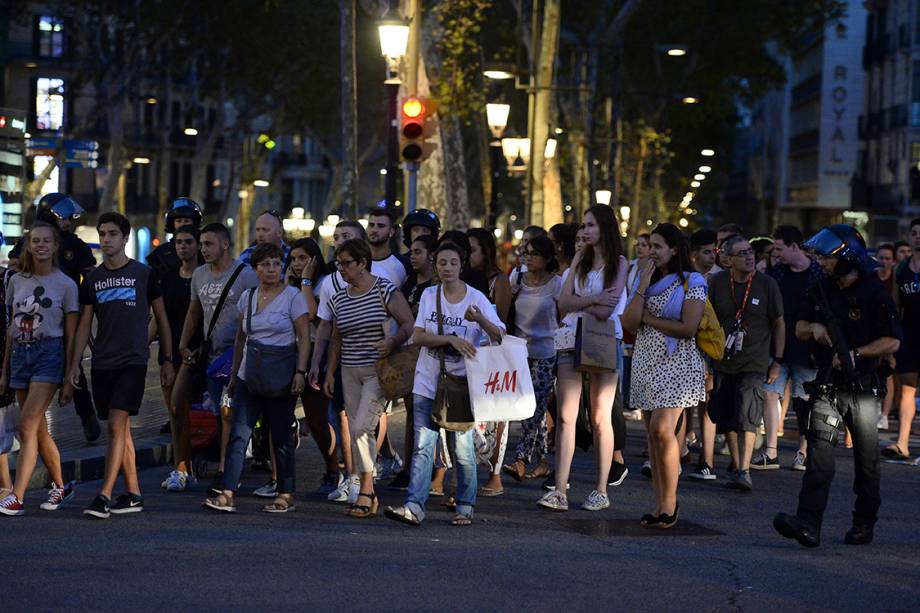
{"x":279,"y":414}
{"x":426,"y":441}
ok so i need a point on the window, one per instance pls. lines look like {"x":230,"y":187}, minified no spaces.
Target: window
{"x":50,"y":36}
{"x":914,"y":153}
{"x":49,"y":104}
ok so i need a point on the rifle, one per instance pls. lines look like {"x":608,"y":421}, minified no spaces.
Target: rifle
{"x":838,"y":344}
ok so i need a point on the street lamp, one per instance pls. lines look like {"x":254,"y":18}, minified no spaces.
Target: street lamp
{"x":707,"y":153}
{"x":705,"y":168}
{"x":690,"y":100}
{"x":516,"y":152}
{"x":695,"y":183}
{"x":190,"y":132}
{"x":602,"y":196}
{"x":549,"y":152}
{"x":498,"y":72}
{"x":699,"y":177}
{"x":141,"y":160}
{"x":261,"y":183}
{"x":497,"y":117}
{"x":394,"y":39}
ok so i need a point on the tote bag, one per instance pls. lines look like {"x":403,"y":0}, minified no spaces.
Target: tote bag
{"x":499,"y":382}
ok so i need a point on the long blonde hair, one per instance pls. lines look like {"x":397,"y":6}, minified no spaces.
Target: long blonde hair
{"x":26,"y":261}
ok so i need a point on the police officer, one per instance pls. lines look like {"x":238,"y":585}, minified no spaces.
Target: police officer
{"x":850,"y":321}
{"x":182,"y":211}
{"x":419,"y":222}
{"x":75,"y":259}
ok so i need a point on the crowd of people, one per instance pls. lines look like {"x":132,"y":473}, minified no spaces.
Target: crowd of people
{"x":714,"y":336}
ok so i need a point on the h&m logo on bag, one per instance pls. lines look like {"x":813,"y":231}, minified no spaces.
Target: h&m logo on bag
{"x":501,"y":382}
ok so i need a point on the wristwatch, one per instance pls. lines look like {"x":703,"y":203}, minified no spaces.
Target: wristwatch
{"x":301,"y":372}
{"x":306,"y":282}
{"x":856,"y":355}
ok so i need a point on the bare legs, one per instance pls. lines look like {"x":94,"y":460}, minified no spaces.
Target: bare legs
{"x":34,"y":438}
{"x":120,"y":454}
{"x":664,"y":454}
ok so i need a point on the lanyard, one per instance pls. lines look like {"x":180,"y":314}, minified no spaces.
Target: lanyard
{"x":747,"y":293}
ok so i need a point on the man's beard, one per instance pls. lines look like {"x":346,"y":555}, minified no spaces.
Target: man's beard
{"x":379,"y":242}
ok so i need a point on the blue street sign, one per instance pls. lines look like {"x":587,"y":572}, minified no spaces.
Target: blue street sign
{"x":42,"y":143}
{"x":81,"y":145}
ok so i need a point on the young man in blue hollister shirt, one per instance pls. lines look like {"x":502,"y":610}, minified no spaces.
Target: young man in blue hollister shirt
{"x":120,"y":294}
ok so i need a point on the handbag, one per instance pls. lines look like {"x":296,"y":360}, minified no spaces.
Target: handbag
{"x":396,"y":372}
{"x":200,"y":368}
{"x":595,"y":345}
{"x":451,"y":409}
{"x":710,"y":337}
{"x":269,"y":368}
{"x":500,"y":385}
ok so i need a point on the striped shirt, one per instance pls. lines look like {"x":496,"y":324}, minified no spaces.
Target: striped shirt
{"x":361,"y":321}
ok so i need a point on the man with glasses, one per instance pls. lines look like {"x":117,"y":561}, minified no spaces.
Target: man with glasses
{"x":182,"y":212}
{"x":269,"y":229}
{"x":75,"y":260}
{"x":750,"y":309}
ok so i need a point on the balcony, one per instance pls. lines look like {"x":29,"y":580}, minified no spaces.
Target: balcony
{"x":806,"y":90}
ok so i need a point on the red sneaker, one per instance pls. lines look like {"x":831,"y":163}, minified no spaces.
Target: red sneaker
{"x":58,"y":497}
{"x":12,"y":506}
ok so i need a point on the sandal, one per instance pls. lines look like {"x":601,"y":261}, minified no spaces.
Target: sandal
{"x":436,"y":493}
{"x":222,"y":502}
{"x":541,"y":471}
{"x":894,"y":453}
{"x":461,"y":520}
{"x":650,"y":521}
{"x":450,"y":504}
{"x":516,"y":470}
{"x":282,"y":504}
{"x":402,"y":515}
{"x":364,"y":511}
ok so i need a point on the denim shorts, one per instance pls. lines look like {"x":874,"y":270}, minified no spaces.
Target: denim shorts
{"x":798,"y":375}
{"x":41,"y":361}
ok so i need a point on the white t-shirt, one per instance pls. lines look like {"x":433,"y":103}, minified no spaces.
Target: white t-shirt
{"x":390,"y":268}
{"x":595,"y":285}
{"x":274,"y":324}
{"x":455,"y":324}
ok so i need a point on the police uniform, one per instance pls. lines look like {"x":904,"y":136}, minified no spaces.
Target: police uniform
{"x":864,"y":312}
{"x":74,"y":256}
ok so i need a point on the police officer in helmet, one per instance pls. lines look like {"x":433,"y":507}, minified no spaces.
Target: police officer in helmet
{"x":851,"y":322}
{"x":182,"y":211}
{"x":75,"y":259}
{"x":419,"y":222}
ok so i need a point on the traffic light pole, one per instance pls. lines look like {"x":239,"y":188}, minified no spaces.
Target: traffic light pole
{"x":392,"y":145}
{"x":412,"y":187}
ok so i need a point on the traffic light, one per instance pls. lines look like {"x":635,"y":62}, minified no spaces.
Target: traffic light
{"x":417,"y":125}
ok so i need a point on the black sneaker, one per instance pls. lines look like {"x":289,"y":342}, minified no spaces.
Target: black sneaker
{"x":647,"y":469}
{"x":549,"y":484}
{"x":792,"y":527}
{"x":765,"y":462}
{"x":401,"y":482}
{"x":99,"y":507}
{"x":217,"y":484}
{"x":128,"y":503}
{"x":859,"y":535}
{"x":91,"y":429}
{"x":618,"y":474}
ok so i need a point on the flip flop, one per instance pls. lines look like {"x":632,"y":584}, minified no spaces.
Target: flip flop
{"x":894,"y":453}
{"x":461,"y":520}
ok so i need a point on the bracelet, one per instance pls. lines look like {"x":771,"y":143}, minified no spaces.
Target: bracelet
{"x":638,"y":293}
{"x":306,"y":282}
{"x":301,"y":372}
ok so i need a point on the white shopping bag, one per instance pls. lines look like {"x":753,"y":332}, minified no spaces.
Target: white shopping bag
{"x":499,"y":382}
{"x":9,"y":426}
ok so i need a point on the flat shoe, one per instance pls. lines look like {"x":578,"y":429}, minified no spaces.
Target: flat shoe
{"x":650,"y":521}
{"x":894,"y":453}
{"x":516,"y":470}
{"x":488,"y":492}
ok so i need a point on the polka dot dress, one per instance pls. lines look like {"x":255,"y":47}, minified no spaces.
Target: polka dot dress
{"x":660,"y":380}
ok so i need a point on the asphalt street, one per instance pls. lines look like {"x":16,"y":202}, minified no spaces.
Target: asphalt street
{"x":724,"y":555}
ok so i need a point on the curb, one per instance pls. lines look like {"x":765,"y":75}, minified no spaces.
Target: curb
{"x":88,"y":463}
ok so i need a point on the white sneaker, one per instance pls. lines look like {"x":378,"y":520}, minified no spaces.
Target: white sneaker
{"x":554,"y":501}
{"x":343,"y":492}
{"x":596,"y":501}
{"x":799,"y":462}
{"x":882,"y":422}
{"x":177,"y":481}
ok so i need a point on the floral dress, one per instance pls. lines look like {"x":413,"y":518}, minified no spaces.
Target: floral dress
{"x":662,"y":380}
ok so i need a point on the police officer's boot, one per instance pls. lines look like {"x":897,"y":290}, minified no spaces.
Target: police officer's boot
{"x":859,"y":534}
{"x":792,"y":527}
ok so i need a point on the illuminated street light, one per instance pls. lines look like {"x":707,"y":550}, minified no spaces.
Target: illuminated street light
{"x":602,"y":196}
{"x":699,"y":177}
{"x":549,"y":152}
{"x":683,"y":223}
{"x":261,"y":183}
{"x":190,"y":132}
{"x":140,"y":160}
{"x":690,"y":99}
{"x":497,"y":116}
{"x":695,"y":183}
{"x":705,"y":168}
{"x":707,"y":153}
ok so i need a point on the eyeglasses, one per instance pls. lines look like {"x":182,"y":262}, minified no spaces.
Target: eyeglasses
{"x":272,"y":263}
{"x":344,"y":263}
{"x":530,"y":253}
{"x":743,"y":253}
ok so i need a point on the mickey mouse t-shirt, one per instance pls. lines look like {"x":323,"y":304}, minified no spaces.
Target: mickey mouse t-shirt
{"x":454,"y":323}
{"x":38,"y":305}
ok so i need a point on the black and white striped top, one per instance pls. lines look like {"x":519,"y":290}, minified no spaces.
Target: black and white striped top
{"x":361,"y":321}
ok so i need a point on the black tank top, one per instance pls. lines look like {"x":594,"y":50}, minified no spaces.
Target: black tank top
{"x":908,"y":283}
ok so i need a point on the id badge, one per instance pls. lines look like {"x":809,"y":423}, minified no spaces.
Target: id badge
{"x":739,"y":340}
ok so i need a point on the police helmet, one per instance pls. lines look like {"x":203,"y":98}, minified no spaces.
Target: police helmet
{"x":420,"y":217}
{"x":56,"y":206}
{"x":185,"y":208}
{"x":844,"y":243}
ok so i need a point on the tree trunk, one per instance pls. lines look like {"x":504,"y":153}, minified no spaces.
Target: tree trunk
{"x":552,"y":194}
{"x":204,"y":154}
{"x":349,"y":192}
{"x":457,"y":193}
{"x":637,"y":215}
{"x":114,"y":159}
{"x":580,"y":172}
{"x":617,"y":163}
{"x":548,"y":46}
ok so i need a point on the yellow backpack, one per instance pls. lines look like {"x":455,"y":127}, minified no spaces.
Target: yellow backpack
{"x":710,"y":338}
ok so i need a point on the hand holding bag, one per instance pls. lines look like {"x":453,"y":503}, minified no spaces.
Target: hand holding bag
{"x":269,"y":368}
{"x":396,"y":372}
{"x":499,"y":382}
{"x":451,"y":409}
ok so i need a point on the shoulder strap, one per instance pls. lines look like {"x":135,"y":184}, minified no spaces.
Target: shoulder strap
{"x":223,"y":298}
{"x":252,"y":294}
{"x":438,"y":289}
